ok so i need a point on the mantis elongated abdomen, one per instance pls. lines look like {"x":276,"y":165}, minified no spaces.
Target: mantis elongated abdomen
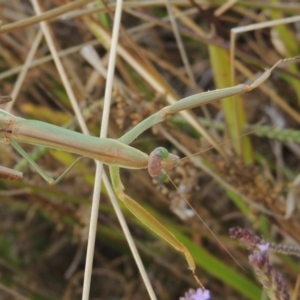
{"x":39,"y":133}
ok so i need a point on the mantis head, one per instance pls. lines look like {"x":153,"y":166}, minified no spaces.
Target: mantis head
{"x":160,"y":162}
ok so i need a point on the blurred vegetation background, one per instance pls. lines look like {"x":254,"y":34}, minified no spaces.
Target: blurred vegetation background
{"x":252,"y":181}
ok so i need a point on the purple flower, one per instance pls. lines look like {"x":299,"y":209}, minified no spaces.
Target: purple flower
{"x":263,"y":247}
{"x":265,"y":272}
{"x":199,"y":294}
{"x":271,"y":280}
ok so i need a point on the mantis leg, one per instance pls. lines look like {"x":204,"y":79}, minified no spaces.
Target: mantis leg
{"x":46,"y":177}
{"x":150,"y":221}
{"x":195,"y":101}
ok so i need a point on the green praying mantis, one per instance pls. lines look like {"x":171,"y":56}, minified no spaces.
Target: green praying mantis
{"x":115,"y":153}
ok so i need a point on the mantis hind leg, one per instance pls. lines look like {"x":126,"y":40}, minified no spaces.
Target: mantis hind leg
{"x":46,"y":177}
{"x":152,"y":223}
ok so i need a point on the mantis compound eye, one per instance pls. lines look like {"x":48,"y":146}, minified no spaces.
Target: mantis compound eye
{"x":160,"y":162}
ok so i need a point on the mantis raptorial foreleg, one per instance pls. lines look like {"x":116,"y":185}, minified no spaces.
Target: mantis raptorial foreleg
{"x":117,"y":153}
{"x":150,"y":221}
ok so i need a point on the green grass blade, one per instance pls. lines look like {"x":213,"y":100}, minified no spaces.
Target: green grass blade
{"x":232,"y":106}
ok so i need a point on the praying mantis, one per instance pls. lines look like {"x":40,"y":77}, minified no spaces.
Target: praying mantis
{"x":117,"y":153}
